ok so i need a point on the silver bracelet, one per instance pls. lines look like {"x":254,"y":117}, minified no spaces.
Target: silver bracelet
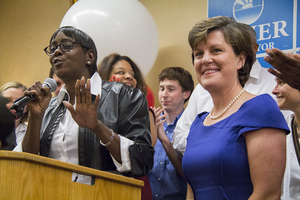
{"x":110,"y":140}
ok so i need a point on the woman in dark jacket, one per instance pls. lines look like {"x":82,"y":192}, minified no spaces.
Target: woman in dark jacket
{"x":105,"y":126}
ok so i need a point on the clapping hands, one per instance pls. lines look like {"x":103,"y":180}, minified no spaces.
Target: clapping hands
{"x":160,"y":119}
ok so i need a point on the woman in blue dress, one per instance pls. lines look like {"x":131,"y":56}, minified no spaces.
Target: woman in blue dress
{"x":236,"y":151}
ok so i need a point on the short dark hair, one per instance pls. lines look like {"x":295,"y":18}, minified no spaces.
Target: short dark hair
{"x":235,"y":34}
{"x":82,"y":39}
{"x":106,"y":66}
{"x":251,"y":31}
{"x":179,"y":74}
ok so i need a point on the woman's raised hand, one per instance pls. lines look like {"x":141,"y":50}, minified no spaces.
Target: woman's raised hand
{"x":84,"y":114}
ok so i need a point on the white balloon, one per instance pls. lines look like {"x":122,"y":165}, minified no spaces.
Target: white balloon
{"x":117,"y":26}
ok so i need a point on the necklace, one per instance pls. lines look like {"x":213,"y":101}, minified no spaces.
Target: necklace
{"x":297,"y":127}
{"x":230,"y":104}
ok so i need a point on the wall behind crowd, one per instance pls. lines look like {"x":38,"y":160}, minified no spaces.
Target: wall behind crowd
{"x":26,"y":27}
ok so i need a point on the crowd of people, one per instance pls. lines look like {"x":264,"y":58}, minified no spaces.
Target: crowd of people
{"x":232,"y":141}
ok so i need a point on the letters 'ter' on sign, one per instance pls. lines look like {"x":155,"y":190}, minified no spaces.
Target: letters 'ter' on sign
{"x":273,"y":21}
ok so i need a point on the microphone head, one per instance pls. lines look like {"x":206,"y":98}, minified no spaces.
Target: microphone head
{"x":51,"y":83}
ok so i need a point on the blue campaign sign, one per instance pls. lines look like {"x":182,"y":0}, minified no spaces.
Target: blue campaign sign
{"x":273,"y":21}
{"x":298,"y":27}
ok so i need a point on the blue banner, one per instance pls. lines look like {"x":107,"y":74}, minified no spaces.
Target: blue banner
{"x":273,"y":21}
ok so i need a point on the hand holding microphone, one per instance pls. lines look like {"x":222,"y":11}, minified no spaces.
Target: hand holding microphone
{"x":21,"y":102}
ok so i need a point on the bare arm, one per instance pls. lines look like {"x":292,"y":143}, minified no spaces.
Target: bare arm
{"x":189,"y":193}
{"x":267,"y":156}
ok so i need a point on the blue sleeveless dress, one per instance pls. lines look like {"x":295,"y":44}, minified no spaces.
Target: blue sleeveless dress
{"x":215,"y":162}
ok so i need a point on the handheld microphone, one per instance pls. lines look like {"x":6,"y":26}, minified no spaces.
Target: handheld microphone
{"x":21,"y":102}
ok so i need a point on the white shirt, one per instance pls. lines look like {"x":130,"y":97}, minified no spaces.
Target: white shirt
{"x":291,"y":181}
{"x":260,"y":81}
{"x":20,"y":132}
{"x":64,"y":144}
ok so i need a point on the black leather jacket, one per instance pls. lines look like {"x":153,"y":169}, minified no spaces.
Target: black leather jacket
{"x":123,"y":109}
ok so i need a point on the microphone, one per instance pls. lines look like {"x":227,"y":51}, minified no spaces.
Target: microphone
{"x":21,"y":102}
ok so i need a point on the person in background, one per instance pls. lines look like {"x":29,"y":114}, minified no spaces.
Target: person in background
{"x":115,"y":67}
{"x":109,"y":133}
{"x":287,"y":66}
{"x":7,"y":124}
{"x":175,"y":86}
{"x":58,"y":81}
{"x":288,"y":98}
{"x":229,"y":150}
{"x":12,"y":91}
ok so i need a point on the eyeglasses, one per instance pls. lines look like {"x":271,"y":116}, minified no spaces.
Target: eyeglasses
{"x":65,"y":46}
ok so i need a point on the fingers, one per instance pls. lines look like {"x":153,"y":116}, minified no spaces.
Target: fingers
{"x":268,"y":51}
{"x":156,"y":112}
{"x":278,"y":53}
{"x":290,"y":54}
{"x":160,"y":110}
{"x":296,"y":56}
{"x":37,"y":90}
{"x":272,"y":71}
{"x":275,"y":73}
{"x":30,"y":91}
{"x":159,"y":118}
{"x":268,"y":60}
{"x":82,"y":91}
{"x":77,"y":92}
{"x":88,"y":98}
{"x":158,"y":124}
{"x":277,"y":58}
{"x":271,"y":53}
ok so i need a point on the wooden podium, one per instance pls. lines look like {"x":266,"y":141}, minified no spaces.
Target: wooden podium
{"x":28,"y":176}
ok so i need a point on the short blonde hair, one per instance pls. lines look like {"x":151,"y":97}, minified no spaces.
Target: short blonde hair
{"x":15,"y":84}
